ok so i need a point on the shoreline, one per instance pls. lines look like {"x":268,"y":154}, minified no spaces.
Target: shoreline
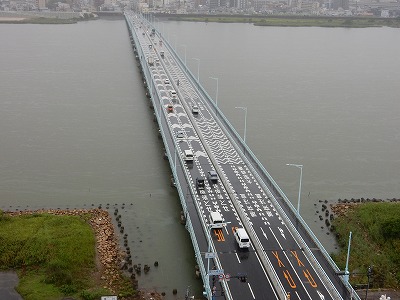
{"x":109,"y":254}
{"x":289,"y":21}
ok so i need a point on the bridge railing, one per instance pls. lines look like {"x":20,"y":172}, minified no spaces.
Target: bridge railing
{"x":269,"y":183}
{"x":262,"y":174}
{"x":155,"y":98}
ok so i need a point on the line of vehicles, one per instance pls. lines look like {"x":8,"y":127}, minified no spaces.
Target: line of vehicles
{"x":211,"y":195}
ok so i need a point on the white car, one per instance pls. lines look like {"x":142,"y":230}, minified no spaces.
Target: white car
{"x":195,"y":109}
{"x":180,"y":134}
{"x":166,"y":81}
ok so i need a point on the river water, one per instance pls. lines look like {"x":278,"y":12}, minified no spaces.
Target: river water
{"x":76,"y":130}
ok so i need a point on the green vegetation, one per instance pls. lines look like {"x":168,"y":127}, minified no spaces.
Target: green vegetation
{"x":293,"y":21}
{"x":375,"y":242}
{"x":54,"y":256}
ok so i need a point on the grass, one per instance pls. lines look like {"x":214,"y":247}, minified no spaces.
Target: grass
{"x":375,"y":242}
{"x":54,"y":256}
{"x":293,"y":21}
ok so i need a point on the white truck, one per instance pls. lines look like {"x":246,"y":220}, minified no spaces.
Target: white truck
{"x":150,"y":60}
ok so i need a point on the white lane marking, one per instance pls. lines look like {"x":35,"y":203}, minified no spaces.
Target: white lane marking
{"x":282,"y":233}
{"x":227,"y":231}
{"x":254,"y":297}
{"x":265,"y":235}
{"x":269,"y":281}
{"x":322,"y":281}
{"x":276,"y":238}
{"x":320,"y":295}
{"x":298,"y":277}
{"x":237,"y":256}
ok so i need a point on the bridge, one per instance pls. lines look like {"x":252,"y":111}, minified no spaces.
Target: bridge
{"x":285,"y":260}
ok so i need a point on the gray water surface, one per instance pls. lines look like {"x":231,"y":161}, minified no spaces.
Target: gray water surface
{"x":76,"y":129}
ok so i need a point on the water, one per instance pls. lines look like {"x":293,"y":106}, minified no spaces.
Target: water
{"x":76,"y":130}
{"x":326,"y":98}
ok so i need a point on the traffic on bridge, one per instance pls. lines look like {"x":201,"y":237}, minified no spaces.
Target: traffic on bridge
{"x":249,"y":242}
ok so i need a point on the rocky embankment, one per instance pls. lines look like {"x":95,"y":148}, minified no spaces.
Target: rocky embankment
{"x":342,"y":206}
{"x":108,"y":254}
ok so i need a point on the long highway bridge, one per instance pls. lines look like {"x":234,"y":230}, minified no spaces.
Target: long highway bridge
{"x":285,"y":260}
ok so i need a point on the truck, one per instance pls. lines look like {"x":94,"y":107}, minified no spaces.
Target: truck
{"x":150,"y":60}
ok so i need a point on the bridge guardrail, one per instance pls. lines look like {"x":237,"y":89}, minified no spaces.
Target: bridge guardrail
{"x":271,"y":184}
{"x":236,"y":139}
{"x":189,"y":225}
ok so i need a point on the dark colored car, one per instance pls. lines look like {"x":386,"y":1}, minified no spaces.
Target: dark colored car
{"x":200,"y":184}
{"x":212,"y":177}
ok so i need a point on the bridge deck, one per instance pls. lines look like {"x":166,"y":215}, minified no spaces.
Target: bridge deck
{"x":280,"y":263}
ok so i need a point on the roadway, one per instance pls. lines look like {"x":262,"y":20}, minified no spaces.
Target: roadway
{"x":276,"y":263}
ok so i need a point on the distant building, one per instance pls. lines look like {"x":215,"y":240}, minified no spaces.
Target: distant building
{"x":41,"y":4}
{"x":336,"y":4}
{"x":385,"y":13}
{"x":214,"y":4}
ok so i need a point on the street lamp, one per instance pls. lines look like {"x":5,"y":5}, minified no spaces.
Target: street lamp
{"x":346,"y":270}
{"x":185,"y":52}
{"x":301,"y":176}
{"x":245,"y":121}
{"x":198,"y":68}
{"x":369,"y":273}
{"x":216,"y":94}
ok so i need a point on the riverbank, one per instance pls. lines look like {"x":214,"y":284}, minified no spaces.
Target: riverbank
{"x":32,"y":17}
{"x":375,"y":227}
{"x":41,"y":20}
{"x":292,"y":21}
{"x":59,"y":253}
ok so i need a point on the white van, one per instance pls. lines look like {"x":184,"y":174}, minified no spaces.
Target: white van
{"x":242,"y":238}
{"x":188,"y":155}
{"x":216,"y":219}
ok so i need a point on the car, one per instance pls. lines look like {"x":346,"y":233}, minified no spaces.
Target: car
{"x":170,"y":108}
{"x":188,"y":156}
{"x":166,"y":81}
{"x":212,"y":176}
{"x":180,"y":134}
{"x":195,"y":109}
{"x":200,"y":184}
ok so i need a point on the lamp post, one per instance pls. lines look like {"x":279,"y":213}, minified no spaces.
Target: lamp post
{"x":216,"y":94}
{"x":198,"y":68}
{"x":185,"y":52}
{"x":301,"y":176}
{"x":245,"y":121}
{"x":369,"y":273}
{"x":346,"y":270}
